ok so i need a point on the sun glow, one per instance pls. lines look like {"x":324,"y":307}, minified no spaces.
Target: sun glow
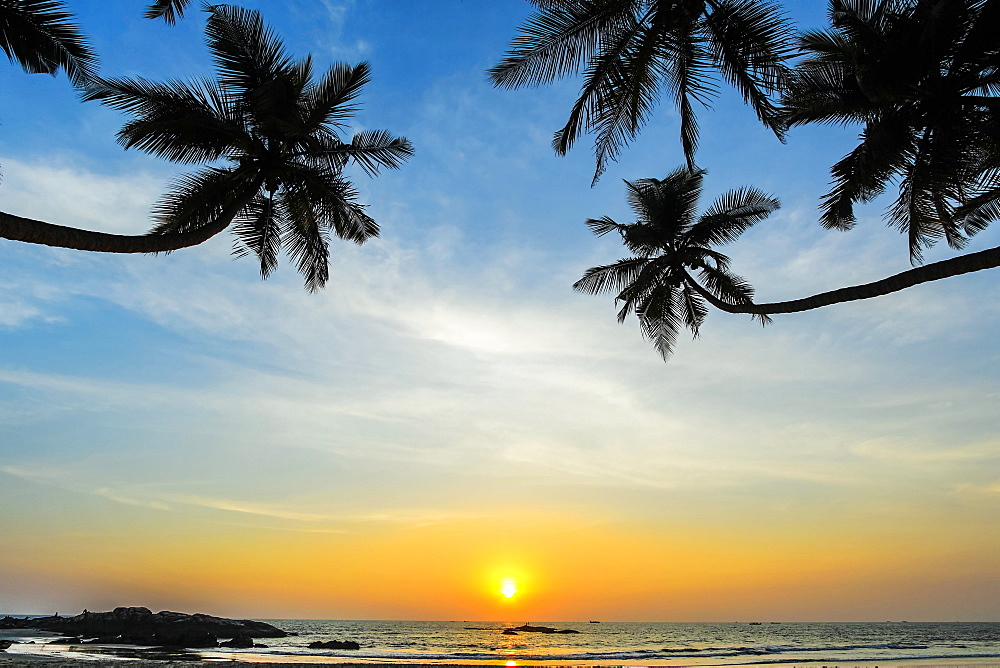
{"x":508,"y":587}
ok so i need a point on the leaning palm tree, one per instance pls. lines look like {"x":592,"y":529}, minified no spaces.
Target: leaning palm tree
{"x":672,"y":250}
{"x":42,"y":38}
{"x":668,"y":244}
{"x":270,"y":137}
{"x":921,"y":77}
{"x":633,"y":51}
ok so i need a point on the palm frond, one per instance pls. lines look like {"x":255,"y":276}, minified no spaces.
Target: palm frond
{"x":750,"y":41}
{"x":558,"y":40}
{"x":197,"y":199}
{"x":660,"y":318}
{"x":258,"y":232}
{"x":247,"y":53}
{"x":668,"y":204}
{"x":177,"y":121}
{"x":168,"y":10}
{"x":732,"y":214}
{"x":308,"y":246}
{"x":612,"y":277}
{"x":603,"y":225}
{"x":605,"y":68}
{"x":371,"y":150}
{"x":729,"y":287}
{"x":315,"y":194}
{"x":693,"y":309}
{"x":330,"y":103}
{"x":41,"y":37}
{"x":685,"y":75}
{"x":864,"y":173}
{"x":629,"y":93}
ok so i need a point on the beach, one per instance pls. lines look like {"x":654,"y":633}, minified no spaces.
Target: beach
{"x":467,"y":643}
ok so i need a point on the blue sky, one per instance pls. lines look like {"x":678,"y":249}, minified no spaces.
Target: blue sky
{"x":449,"y":378}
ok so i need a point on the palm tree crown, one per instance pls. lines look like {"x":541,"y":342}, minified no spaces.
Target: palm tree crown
{"x":668,"y":243}
{"x":922,"y":76}
{"x":42,"y":38}
{"x":270,"y":136}
{"x":634,"y":50}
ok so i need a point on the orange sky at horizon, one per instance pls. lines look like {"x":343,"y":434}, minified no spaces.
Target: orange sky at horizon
{"x":566,"y":567}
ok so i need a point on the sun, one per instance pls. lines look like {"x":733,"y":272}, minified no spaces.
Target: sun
{"x":508,"y":587}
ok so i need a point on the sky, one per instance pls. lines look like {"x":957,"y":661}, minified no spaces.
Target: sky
{"x":448,"y":414}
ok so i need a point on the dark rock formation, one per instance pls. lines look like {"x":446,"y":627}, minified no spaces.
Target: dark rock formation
{"x":335,"y":644}
{"x":4,"y":644}
{"x":528,"y":628}
{"x":242,"y":641}
{"x":139,"y":626}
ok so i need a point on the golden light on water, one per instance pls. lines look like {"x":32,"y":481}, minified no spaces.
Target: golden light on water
{"x":508,"y":587}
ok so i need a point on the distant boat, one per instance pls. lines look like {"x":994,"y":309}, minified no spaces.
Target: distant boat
{"x":594,"y":621}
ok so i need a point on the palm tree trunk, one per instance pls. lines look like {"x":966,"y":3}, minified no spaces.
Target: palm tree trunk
{"x":955,"y":266}
{"x":31,"y":231}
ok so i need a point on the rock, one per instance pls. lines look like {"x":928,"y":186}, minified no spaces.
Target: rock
{"x":242,"y":641}
{"x":4,"y":644}
{"x":334,"y":644}
{"x":528,"y":628}
{"x":139,"y":626}
{"x":191,"y":639}
{"x":509,"y":632}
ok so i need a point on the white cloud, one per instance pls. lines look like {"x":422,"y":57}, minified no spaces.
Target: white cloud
{"x":57,"y":189}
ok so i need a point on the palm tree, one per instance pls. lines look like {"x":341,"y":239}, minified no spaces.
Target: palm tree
{"x":42,"y":38}
{"x":168,"y":10}
{"x":922,"y":76}
{"x":270,"y":136}
{"x":669,"y":243}
{"x":633,"y":51}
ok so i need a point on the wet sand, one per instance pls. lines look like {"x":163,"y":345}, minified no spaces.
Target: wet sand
{"x":36,"y":661}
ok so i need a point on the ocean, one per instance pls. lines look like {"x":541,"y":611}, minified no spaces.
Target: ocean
{"x":619,"y":643}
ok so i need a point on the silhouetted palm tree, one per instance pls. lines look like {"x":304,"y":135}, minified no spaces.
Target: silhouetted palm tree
{"x":669,"y":243}
{"x":922,"y":76}
{"x":270,"y":135}
{"x":633,"y":51}
{"x":168,"y":10}
{"x":42,"y":38}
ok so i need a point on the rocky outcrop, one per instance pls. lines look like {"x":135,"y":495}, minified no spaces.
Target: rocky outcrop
{"x":242,"y":641}
{"x":528,"y":628}
{"x":139,"y":626}
{"x":335,"y":644}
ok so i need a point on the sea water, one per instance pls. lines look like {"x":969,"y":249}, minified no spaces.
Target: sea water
{"x":611,"y":643}
{"x":629,"y":643}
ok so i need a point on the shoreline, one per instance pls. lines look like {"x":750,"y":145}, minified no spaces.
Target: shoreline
{"x":93,"y":661}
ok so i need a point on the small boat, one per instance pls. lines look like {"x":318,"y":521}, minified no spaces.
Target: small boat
{"x":593,"y":621}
